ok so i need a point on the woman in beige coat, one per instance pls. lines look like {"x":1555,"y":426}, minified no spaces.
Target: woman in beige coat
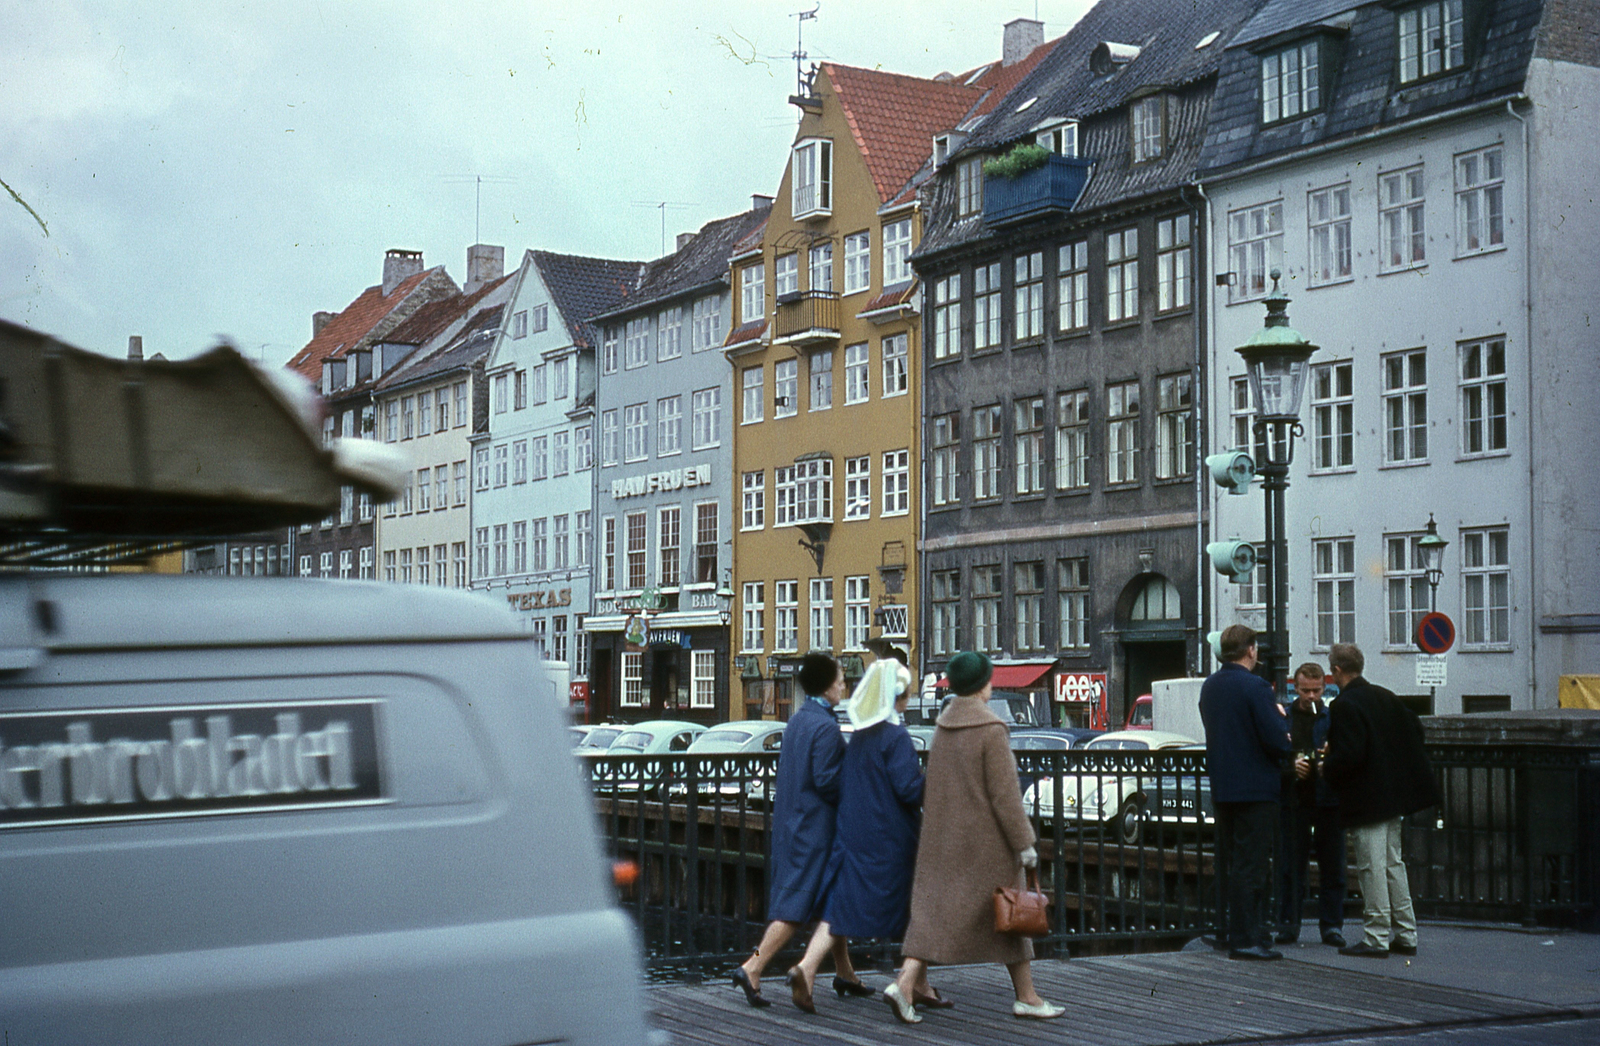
{"x":975,"y":836}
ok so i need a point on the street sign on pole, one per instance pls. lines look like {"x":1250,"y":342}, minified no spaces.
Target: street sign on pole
{"x":1436,"y":633}
{"x":1430,"y":670}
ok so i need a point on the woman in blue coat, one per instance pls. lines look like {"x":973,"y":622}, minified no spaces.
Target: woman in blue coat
{"x":868,"y":882}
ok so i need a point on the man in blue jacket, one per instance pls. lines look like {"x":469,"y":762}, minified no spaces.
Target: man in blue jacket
{"x":1247,"y":740}
{"x":1310,"y":818}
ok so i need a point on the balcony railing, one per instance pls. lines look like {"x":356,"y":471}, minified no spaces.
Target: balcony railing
{"x":1055,"y":187}
{"x":806,"y":317}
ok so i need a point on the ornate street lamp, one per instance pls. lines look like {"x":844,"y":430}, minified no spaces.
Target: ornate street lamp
{"x":1432,"y":546}
{"x":1278,"y":359}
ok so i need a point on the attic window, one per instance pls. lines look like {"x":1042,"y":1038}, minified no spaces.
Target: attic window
{"x":1432,"y":39}
{"x":1060,"y":138}
{"x":811,"y":180}
{"x":1025,"y":106}
{"x":1148,"y":116}
{"x":1291,"y":82}
{"x":1207,"y":40}
{"x":978,"y":75}
{"x":1108,"y":57}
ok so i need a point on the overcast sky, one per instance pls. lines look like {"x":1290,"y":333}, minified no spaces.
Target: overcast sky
{"x":209,"y":169}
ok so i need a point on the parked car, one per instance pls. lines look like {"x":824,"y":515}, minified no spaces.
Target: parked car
{"x":1107,"y":799}
{"x":598,"y":739}
{"x":1045,"y":739}
{"x":1174,"y":799}
{"x":734,"y":738}
{"x":1142,"y":716}
{"x":652,"y":737}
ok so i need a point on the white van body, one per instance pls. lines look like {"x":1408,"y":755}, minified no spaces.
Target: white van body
{"x":266,"y":810}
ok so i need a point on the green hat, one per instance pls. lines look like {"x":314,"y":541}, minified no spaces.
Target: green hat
{"x":968,"y":672}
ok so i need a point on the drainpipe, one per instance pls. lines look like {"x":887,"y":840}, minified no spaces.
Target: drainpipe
{"x":1527,"y":353}
{"x":1202,"y":240}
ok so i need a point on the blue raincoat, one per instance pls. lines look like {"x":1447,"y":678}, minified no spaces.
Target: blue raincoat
{"x":803,"y":813}
{"x":874,"y":852}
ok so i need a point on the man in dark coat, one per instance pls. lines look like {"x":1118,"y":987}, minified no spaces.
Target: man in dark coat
{"x":1247,"y":741}
{"x":804,"y":810}
{"x":1377,"y":764}
{"x":1310,"y":819}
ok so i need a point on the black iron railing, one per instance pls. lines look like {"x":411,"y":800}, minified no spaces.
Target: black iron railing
{"x":1125,"y":844}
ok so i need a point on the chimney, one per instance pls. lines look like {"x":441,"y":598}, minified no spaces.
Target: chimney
{"x":1022,"y":36}
{"x":398,"y":267}
{"x":759,"y":202}
{"x":135,"y":347}
{"x":485,"y":264}
{"x":319,"y":320}
{"x":684,"y":239}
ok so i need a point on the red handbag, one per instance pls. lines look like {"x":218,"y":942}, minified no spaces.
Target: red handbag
{"x":1022,"y":910}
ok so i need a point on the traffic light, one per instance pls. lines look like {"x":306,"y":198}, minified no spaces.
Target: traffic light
{"x":1232,"y":558}
{"x":1233,"y":469}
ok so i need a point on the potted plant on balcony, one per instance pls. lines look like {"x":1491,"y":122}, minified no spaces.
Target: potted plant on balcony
{"x":1019,"y":160}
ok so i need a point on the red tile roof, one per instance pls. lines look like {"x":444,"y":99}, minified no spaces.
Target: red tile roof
{"x":346,"y":330}
{"x":894,"y":118}
{"x":749,"y":333}
{"x":999,"y":79}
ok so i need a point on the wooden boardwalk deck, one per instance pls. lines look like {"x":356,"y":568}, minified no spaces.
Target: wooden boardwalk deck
{"x":1148,"y":1000}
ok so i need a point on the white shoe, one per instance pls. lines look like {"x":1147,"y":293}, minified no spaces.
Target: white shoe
{"x":1044,"y":1011}
{"x":904,"y":1012}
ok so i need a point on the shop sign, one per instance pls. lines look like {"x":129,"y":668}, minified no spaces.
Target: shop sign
{"x":578,"y":693}
{"x":656,"y":482}
{"x":1080,"y":686}
{"x":555,"y":597}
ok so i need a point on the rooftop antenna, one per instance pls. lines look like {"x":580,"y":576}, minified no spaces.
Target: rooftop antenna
{"x":477,"y":181}
{"x":662,"y":205}
{"x":800,"y":56}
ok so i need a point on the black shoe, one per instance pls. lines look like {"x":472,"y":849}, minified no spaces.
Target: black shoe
{"x":1258,"y":953}
{"x":752,"y":994}
{"x":1288,"y":937}
{"x":1362,"y":948}
{"x":1333,"y":938}
{"x":844,"y":987}
{"x":1403,"y":949}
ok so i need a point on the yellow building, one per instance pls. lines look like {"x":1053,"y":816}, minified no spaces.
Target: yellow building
{"x":825,"y":349}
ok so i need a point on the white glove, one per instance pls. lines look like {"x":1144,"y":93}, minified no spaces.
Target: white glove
{"x":1030,"y":858}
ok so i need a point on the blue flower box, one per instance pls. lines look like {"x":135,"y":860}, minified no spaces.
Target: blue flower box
{"x":1053,"y":188}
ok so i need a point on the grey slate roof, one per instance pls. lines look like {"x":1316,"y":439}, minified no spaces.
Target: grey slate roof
{"x":583,"y":287}
{"x":699,"y":264}
{"x":470,"y":344}
{"x":1365,"y":93}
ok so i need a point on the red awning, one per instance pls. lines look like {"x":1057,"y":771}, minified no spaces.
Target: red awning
{"x":1014,"y":677}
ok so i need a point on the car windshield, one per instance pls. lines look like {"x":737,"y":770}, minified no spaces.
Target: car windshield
{"x":731,"y":737}
{"x":602,"y":737}
{"x":633,"y":741}
{"x":1119,"y":742}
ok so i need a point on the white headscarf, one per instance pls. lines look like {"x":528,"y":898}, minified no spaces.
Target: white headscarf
{"x":874,"y":697}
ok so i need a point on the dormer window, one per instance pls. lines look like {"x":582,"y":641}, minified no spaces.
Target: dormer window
{"x":1149,"y":128}
{"x":811,"y":178}
{"x":969,"y":186}
{"x":1061,"y":138}
{"x":1291,"y":82}
{"x":1432,"y":39}
{"x":947,"y":145}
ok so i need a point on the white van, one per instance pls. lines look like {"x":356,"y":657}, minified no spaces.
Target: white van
{"x":293,"y":811}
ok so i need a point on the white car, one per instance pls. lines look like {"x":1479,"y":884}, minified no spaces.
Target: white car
{"x":1110,"y":798}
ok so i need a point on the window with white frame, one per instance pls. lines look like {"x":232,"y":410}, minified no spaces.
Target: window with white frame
{"x":753,"y":515}
{"x":637,"y":538}
{"x":389,"y":573}
{"x":1028,"y":296}
{"x":408,"y":412}
{"x":986,"y":306}
{"x":1174,"y":258}
{"x":703,"y":679}
{"x":707,"y":538}
{"x":539,"y":543}
{"x":560,"y":452}
{"x":811,"y":486}
{"x":1174,"y":425}
{"x":582,"y":537}
{"x":946,"y":604}
{"x":1401,"y":219}
{"x":325,"y":565}
{"x":519,"y":390}
{"x":857,"y":262}
{"x":1072,"y":287}
{"x":669,"y":336}
{"x":896,"y":482}
{"x":895,"y":355}
{"x":441,"y":407}
{"x":786,"y":616}
{"x":786,"y":388}
{"x":706,"y":323}
{"x":1486,"y":587}
{"x":424,"y":414}
{"x":441,"y":491}
{"x":519,"y":547}
{"x":635,"y":432}
{"x":1028,"y":605}
{"x":1332,"y":417}
{"x":783,"y":494}
{"x":519,"y":323}
{"x":857,"y":611}
{"x":608,"y":437}
{"x":364,"y":561}
{"x":458,"y":482}
{"x":346,"y":564}
{"x":1328,"y":229}
{"x":1405,"y":407}
{"x":1029,"y":444}
{"x":636,"y":342}
{"x":1333,"y":575}
{"x":821,"y":606}
{"x":986,"y":468}
{"x":820,"y":268}
{"x":539,"y":318}
{"x":539,"y":453}
{"x":540,"y":382}
{"x":947,"y":317}
{"x":752,"y":292}
{"x":1122,"y":432}
{"x":754,"y":384}
{"x":582,"y":448}
{"x":786,"y":275}
{"x":1148,"y":116}
{"x":1061,"y":139}
{"x":669,"y":546}
{"x":502,"y":464}
{"x":347,"y":499}
{"x":608,"y":352}
{"x":857,"y":383}
{"x":1405,"y":577}
{"x":896,"y":252}
{"x":501,"y":549}
{"x":946,"y":446}
{"x":1072,"y":581}
{"x":987,"y":590}
{"x":707,"y":419}
{"x":560,"y":542}
{"x":519,"y":461}
{"x":1122,"y":275}
{"x":1291,"y":82}
{"x":969,"y":186}
{"x":858,"y":487}
{"x":820,"y":366}
{"x":632,"y":680}
{"x":754,"y":617}
{"x":1432,"y":39}
{"x":391,"y":421}
{"x":1483,"y":396}
{"x":608,"y":553}
{"x":558,"y":637}
{"x":1255,"y":248}
{"x":1072,"y":440}
{"x":460,"y":397}
{"x":669,"y":426}
{"x":811,"y":178}
{"x":1242,"y":417}
{"x":1480,"y":201}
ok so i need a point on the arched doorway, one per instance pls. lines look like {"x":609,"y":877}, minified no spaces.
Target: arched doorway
{"x":1154,"y":636}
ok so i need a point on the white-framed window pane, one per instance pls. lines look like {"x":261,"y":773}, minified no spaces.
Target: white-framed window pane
{"x":1480,"y":200}
{"x":753,"y":611}
{"x":1486,"y":587}
{"x":1072,"y":440}
{"x":857,"y":611}
{"x":754,"y":387}
{"x":1483,"y":396}
{"x":986,"y":306}
{"x":896,"y":482}
{"x":1255,"y":248}
{"x":1333,"y":575}
{"x":785,"y":388}
{"x":1122,"y":275}
{"x":753,"y":515}
{"x":896,"y":252}
{"x":857,"y":379}
{"x":1332,"y":416}
{"x":895,"y":352}
{"x":1401,"y":219}
{"x":947,"y":317}
{"x":857,"y":262}
{"x":858,"y":488}
{"x":1405,"y":407}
